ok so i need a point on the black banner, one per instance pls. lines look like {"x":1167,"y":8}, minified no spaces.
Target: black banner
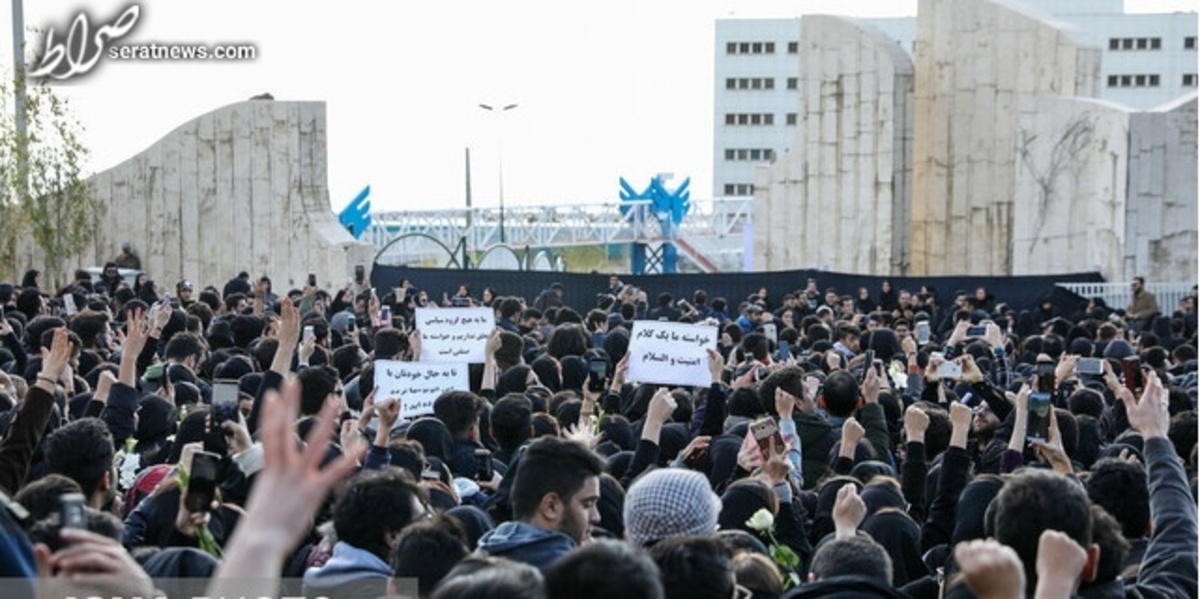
{"x":1020,"y":293}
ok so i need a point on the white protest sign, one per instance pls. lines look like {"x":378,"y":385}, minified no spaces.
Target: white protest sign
{"x":417,"y":384}
{"x":454,"y":335}
{"x":671,"y":353}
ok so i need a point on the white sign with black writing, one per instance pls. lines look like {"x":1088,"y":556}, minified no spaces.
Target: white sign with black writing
{"x":454,"y":334}
{"x":417,"y":384}
{"x":671,"y":353}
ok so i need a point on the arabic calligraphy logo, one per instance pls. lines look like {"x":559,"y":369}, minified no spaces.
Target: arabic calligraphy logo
{"x":80,"y":52}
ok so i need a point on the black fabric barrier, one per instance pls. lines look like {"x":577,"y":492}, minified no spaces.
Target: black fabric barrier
{"x":1020,"y":293}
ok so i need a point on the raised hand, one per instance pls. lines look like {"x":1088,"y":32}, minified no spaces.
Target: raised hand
{"x":55,"y":360}
{"x":991,"y":570}
{"x":849,"y":510}
{"x":852,"y":433}
{"x":716,"y":365}
{"x":916,"y":422}
{"x":960,"y":424}
{"x":1060,"y":562}
{"x":1149,"y":416}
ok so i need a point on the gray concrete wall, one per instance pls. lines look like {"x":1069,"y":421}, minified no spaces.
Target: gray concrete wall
{"x":240,"y":188}
{"x":839,"y":198}
{"x":1069,"y":203}
{"x":976,"y":60}
{"x":1161,"y":216}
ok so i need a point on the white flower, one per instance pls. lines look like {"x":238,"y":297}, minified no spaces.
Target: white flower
{"x":130,"y":465}
{"x":762,"y":521}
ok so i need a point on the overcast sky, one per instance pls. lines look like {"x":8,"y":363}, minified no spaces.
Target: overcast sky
{"x":605,"y":89}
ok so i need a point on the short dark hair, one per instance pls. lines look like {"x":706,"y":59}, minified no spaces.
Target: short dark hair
{"x":511,"y":418}
{"x":510,"y":307}
{"x":183,"y":346}
{"x":428,"y":551}
{"x":389,"y":342}
{"x":48,"y":530}
{"x":1106,"y":533}
{"x":458,"y":410}
{"x":1121,"y":488}
{"x":694,"y":567}
{"x":604,"y":569}
{"x":89,"y":326}
{"x":316,"y":383}
{"x":852,"y":556}
{"x":551,"y":465}
{"x":841,"y":394}
{"x":374,"y":503}
{"x":1086,"y":401}
{"x":1034,"y":501}
{"x":486,"y":577}
{"x":81,"y":450}
{"x":40,"y":497}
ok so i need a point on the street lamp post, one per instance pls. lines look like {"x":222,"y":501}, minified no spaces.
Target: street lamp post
{"x":499,"y":111}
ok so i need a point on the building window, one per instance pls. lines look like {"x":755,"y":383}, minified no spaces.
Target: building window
{"x":729,"y":153}
{"x":1152,"y":81}
{"x":1126,"y":81}
{"x":742,"y":154}
{"x":1114,"y":43}
{"x":1113,"y":80}
{"x":1142,"y":43}
{"x":793,"y":47}
{"x":791,"y":118}
{"x":1189,"y":80}
{"x":743,"y":83}
{"x":743,"y":119}
{"x":1139,"y":80}
{"x":731,"y":119}
{"x":1127,"y":43}
{"x":1156,"y":43}
{"x":1189,"y":42}
{"x":793,"y":82}
{"x":768,"y":119}
{"x":756,"y":83}
{"x":728,"y":189}
{"x":744,"y":48}
{"x":756,"y":48}
{"x":769,"y":47}
{"x":731,"y":83}
{"x":769,"y":83}
{"x":731,"y":48}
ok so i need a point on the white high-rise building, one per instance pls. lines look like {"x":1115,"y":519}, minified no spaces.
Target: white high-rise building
{"x":1148,"y":60}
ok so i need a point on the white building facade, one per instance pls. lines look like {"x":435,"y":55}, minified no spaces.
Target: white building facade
{"x":1148,"y":60}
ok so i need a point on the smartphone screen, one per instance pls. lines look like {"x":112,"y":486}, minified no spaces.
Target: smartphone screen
{"x":785,"y":351}
{"x":1089,"y":366}
{"x":483,"y":465}
{"x":769,"y":331}
{"x":71,"y":512}
{"x":597,"y":375}
{"x":868,"y":362}
{"x":765,"y":430}
{"x":202,"y":481}
{"x":949,"y":370}
{"x":1039,"y":416}
{"x":224,"y":403}
{"x":308,"y":334}
{"x":922,"y":332}
{"x":976,"y":332}
{"x":1045,"y":377}
{"x":1131,"y":368}
{"x":312,"y":280}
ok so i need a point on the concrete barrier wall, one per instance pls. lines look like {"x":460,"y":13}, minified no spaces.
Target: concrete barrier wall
{"x":240,"y":188}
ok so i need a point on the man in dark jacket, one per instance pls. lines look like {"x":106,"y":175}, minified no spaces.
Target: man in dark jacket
{"x":554,"y":497}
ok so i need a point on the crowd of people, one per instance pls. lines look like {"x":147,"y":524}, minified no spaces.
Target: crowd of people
{"x":851,"y":443}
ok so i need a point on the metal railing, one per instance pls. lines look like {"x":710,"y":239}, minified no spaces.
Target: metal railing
{"x":561,"y":225}
{"x":1117,"y":295}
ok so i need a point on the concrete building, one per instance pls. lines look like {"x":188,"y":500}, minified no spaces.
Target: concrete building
{"x":1147,"y":60}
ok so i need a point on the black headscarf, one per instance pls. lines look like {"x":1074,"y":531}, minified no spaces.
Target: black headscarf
{"x":433,"y":435}
{"x":901,"y":537}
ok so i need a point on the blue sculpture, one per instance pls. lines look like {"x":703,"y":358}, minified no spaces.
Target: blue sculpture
{"x":669,"y":207}
{"x":356,"y":216}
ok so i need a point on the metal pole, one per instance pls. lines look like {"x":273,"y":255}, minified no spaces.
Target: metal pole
{"x":467,"y":231}
{"x":18,"y":29}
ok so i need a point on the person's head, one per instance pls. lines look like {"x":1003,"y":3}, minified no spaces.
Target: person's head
{"x":694,"y":567}
{"x":1139,"y":283}
{"x":853,"y":556}
{"x":490,"y":578}
{"x":1114,"y":547}
{"x":670,"y":502}
{"x":428,"y":550}
{"x":318,"y":385}
{"x":390,"y":344}
{"x":604,"y":569}
{"x":1034,"y":501}
{"x":41,"y":497}
{"x":1120,"y":487}
{"x":82,"y":450}
{"x":840,"y":396}
{"x":758,"y":574}
{"x":512,"y":421}
{"x":510,"y":308}
{"x":186,"y":349}
{"x":557,"y":486}
{"x":459,"y":411}
{"x":375,"y":506}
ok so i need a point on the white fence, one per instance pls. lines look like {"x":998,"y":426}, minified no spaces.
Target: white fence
{"x":1117,"y":295}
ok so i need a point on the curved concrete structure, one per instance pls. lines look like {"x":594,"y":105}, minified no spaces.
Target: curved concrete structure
{"x":240,"y":188}
{"x":839,"y":198}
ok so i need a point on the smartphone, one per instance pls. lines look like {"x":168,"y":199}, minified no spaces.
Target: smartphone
{"x":692,"y":462}
{"x":597,"y":374}
{"x":1131,"y":368}
{"x":166,"y":300}
{"x":202,"y":482}
{"x":765,"y":430}
{"x":69,"y":304}
{"x":769,"y":331}
{"x":385,"y":316}
{"x":308,"y":334}
{"x":785,"y":351}
{"x":976,"y":332}
{"x":923,"y":332}
{"x":224,"y":403}
{"x":1045,"y":377}
{"x":949,"y":370}
{"x":868,"y":362}
{"x":360,"y":274}
{"x":1089,"y":366}
{"x":483,"y":465}
{"x":312,"y":279}
{"x":71,"y":512}
{"x":1038,"y":428}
